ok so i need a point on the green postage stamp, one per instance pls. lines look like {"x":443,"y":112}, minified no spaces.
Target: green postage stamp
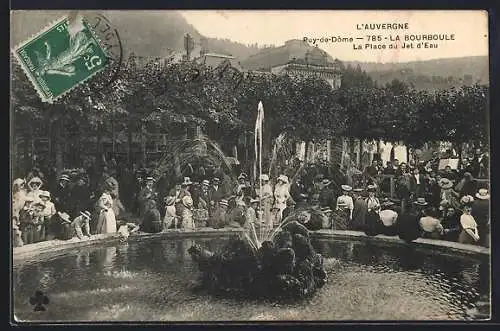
{"x":60,"y":57}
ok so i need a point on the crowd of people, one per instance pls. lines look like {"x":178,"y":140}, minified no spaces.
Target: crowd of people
{"x":431,"y":203}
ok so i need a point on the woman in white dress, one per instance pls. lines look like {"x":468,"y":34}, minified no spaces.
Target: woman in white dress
{"x":34,"y":189}
{"x":106,"y":222}
{"x":18,"y":197}
{"x":469,"y":234}
{"x":266,"y":200}
{"x":372,"y":201}
{"x":281,"y":195}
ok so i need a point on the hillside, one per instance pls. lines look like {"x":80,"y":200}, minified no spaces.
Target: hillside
{"x":158,"y":33}
{"x":145,"y":33}
{"x":432,"y":73}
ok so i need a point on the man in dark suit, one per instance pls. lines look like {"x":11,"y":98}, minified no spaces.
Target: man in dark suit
{"x":216,"y":191}
{"x":326,"y":195}
{"x":417,"y":183}
{"x":481,"y":213}
{"x":296,"y":189}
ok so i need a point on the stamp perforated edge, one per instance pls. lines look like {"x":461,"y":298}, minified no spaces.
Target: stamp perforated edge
{"x":32,"y":79}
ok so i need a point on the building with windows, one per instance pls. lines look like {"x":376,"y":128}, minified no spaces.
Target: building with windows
{"x":296,"y":57}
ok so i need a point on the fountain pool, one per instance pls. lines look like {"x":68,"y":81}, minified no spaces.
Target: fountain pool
{"x":155,"y":280}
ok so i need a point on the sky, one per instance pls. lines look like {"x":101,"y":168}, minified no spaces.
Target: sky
{"x":470,"y":29}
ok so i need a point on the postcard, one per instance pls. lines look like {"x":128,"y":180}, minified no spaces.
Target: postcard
{"x":250,"y":165}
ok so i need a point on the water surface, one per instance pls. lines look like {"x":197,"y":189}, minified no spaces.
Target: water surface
{"x":153,"y":280}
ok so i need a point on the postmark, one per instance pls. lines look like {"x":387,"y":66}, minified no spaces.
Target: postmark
{"x":58,"y":59}
{"x":111,"y":42}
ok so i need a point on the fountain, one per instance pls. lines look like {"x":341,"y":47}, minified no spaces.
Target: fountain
{"x":278,"y":262}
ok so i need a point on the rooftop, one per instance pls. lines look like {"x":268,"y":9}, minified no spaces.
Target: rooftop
{"x":292,"y":50}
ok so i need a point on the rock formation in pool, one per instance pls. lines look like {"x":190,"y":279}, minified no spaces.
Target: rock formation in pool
{"x":286,"y":266}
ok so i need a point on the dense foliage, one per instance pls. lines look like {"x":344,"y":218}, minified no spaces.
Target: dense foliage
{"x":222,"y":100}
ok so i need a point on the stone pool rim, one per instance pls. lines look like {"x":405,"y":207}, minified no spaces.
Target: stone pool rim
{"x":28,"y":252}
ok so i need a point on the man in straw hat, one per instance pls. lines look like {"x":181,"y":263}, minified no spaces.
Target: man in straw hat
{"x":81,"y":225}
{"x":480,"y":210}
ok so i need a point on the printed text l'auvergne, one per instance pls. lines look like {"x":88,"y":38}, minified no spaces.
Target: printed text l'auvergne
{"x":382,"y":26}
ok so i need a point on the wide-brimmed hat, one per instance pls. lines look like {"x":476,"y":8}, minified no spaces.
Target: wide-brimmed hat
{"x":169,"y":200}
{"x":18,"y":181}
{"x":223,"y":202}
{"x":371,"y":188}
{"x":64,"y":216}
{"x":421,"y":202}
{"x":346,"y":188}
{"x":64,"y":177}
{"x":150,"y":179}
{"x":387,"y":203}
{"x":86,"y":214}
{"x":187,"y":181}
{"x":326,"y":182}
{"x":205,"y":182}
{"x":482,"y":194}
{"x":45,"y":194}
{"x":254,"y":201}
{"x":466,"y":200}
{"x":187,"y":201}
{"x":357,"y":190}
{"x":283,"y":178}
{"x":35,"y":180}
{"x":445,"y":183}
{"x":242,"y":176}
{"x":216,"y":180}
{"x":264,"y":177}
{"x":39,"y":203}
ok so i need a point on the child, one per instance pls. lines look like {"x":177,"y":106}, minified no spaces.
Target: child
{"x":80,"y":223}
{"x":38,"y":222}
{"x":170,"y":220}
{"x":26,"y":219}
